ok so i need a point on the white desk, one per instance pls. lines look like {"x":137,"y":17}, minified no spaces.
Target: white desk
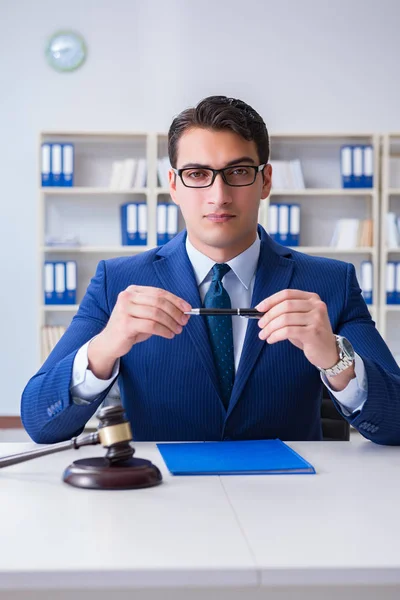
{"x":331,"y":535}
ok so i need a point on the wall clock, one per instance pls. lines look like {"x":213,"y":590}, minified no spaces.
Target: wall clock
{"x":66,"y":51}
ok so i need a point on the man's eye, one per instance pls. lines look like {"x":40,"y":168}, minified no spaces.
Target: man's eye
{"x":239,"y":171}
{"x":196,"y":174}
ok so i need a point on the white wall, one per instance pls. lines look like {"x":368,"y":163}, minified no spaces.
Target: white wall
{"x":314,"y":65}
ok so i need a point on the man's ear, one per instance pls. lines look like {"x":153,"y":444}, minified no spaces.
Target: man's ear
{"x":172,"y":186}
{"x":267,"y":181}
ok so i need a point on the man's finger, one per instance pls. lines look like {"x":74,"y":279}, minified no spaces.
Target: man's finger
{"x":143,"y":289}
{"x":268,"y":303}
{"x":287,"y":306}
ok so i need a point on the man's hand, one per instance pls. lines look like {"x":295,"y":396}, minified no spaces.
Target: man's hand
{"x":139,"y":313}
{"x":302,"y":318}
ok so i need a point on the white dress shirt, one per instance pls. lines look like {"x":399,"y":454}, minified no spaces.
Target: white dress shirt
{"x":239,"y":283}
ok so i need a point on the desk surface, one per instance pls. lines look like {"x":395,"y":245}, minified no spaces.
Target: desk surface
{"x":340,"y":526}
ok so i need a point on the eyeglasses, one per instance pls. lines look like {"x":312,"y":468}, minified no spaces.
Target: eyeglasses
{"x":237,"y":176}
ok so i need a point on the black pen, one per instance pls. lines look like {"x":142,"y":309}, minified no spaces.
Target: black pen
{"x":249,"y":313}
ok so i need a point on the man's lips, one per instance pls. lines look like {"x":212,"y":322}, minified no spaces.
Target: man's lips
{"x":219,"y":218}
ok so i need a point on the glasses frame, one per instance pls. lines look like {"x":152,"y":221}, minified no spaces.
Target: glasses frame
{"x":257,"y":169}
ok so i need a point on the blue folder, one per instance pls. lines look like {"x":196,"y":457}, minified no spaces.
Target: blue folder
{"x":253,"y":457}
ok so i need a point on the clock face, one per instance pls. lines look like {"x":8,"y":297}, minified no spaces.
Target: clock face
{"x":66,"y":51}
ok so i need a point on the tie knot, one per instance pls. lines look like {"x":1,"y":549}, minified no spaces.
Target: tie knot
{"x":219,"y":270}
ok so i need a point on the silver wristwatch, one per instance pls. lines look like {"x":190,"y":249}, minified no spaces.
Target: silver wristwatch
{"x":346,"y":357}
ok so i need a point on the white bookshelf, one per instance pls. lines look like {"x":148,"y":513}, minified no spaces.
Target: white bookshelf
{"x":390,"y":202}
{"x":90,"y":209}
{"x":324,"y":201}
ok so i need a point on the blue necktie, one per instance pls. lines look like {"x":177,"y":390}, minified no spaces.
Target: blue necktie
{"x":220,"y":332}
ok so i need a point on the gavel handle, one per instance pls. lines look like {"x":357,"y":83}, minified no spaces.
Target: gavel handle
{"x":83,"y":440}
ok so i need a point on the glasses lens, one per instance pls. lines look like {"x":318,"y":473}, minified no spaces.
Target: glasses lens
{"x":197,"y":177}
{"x":240,"y":175}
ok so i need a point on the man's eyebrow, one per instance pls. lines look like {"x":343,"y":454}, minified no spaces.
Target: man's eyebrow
{"x":236,"y":161}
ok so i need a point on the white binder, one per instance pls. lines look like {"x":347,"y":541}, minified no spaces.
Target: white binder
{"x":397,"y":284}
{"x":272,"y":222}
{"x":358,"y":165}
{"x":142,"y":222}
{"x":67,"y":165}
{"x":46,"y":165}
{"x":49,"y":296}
{"x":366,"y":281}
{"x":60,"y":282}
{"x":294,"y":224}
{"x":131,"y":221}
{"x":283,"y":223}
{"x":56,"y":164}
{"x":390,"y":282}
{"x":161,"y":223}
{"x":172,"y":220}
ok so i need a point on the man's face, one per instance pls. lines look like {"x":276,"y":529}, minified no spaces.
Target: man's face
{"x":221,"y":220}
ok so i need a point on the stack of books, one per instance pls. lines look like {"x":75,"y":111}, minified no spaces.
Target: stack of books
{"x":128,"y":173}
{"x":352,"y":233}
{"x":287,"y":175}
{"x":51,"y":334}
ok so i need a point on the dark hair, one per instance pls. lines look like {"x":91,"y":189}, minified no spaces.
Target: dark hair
{"x":218,"y":113}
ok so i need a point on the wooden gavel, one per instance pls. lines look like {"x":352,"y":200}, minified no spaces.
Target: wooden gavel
{"x":117,"y":470}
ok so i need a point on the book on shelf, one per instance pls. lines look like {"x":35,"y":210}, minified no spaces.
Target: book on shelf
{"x":352,"y":233}
{"x":57,"y":164}
{"x":51,"y":334}
{"x":167,"y":222}
{"x":60,"y":282}
{"x":283,"y":223}
{"x":128,"y":173}
{"x":163,"y":166}
{"x":392,"y":230}
{"x":357,"y":165}
{"x":287,"y":175}
{"x":62,"y":241}
{"x":366,"y":281}
{"x":393,"y":282}
{"x":133,"y":224}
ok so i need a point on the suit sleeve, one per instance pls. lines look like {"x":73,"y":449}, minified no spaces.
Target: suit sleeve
{"x":379,"y":418}
{"x":47,"y":409}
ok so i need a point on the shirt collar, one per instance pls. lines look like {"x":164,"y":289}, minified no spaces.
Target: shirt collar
{"x":243,"y":265}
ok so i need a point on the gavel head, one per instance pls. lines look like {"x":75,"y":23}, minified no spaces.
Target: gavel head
{"x":115,"y":433}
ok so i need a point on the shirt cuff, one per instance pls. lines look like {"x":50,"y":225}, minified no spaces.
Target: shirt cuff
{"x":85,"y":386}
{"x":354,"y":395}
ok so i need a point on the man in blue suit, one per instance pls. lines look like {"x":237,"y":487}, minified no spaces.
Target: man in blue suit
{"x":187,"y":377}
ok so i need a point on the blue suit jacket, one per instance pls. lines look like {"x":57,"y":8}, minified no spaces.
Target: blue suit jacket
{"x":169,"y":387}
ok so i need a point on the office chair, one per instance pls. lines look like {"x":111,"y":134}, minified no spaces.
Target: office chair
{"x":334,"y":426}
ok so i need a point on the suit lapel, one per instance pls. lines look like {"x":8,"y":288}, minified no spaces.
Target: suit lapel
{"x":175,"y":272}
{"x":274,"y":272}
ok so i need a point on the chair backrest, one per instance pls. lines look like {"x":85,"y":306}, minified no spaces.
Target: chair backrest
{"x":334,"y":426}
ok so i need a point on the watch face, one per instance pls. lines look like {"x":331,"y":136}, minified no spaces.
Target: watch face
{"x":347,"y":347}
{"x":66,"y":51}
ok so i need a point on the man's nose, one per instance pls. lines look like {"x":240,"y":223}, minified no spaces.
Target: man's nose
{"x":220,"y":192}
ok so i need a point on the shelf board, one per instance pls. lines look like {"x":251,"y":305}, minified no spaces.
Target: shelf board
{"x":391,"y":307}
{"x":91,"y":191}
{"x":60,"y":307}
{"x":333,"y":250}
{"x":162,"y":190}
{"x":392,"y":250}
{"x":324,"y":192}
{"x":394,"y":191}
{"x":96,"y":249}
